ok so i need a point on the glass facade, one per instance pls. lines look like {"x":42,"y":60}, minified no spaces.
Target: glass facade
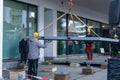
{"x":61,"y":31}
{"x":107,"y":31}
{"x":19,"y":21}
{"x":97,"y":29}
{"x":75,"y":29}
{"x":68,"y":27}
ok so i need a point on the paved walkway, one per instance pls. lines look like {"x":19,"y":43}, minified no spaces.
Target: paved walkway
{"x":100,"y":75}
{"x":76,"y":72}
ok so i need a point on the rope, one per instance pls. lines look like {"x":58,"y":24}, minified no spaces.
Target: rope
{"x":71,"y":14}
{"x":85,"y":24}
{"x":79,"y":18}
{"x":95,"y":33}
{"x":72,"y":19}
{"x":53,"y":22}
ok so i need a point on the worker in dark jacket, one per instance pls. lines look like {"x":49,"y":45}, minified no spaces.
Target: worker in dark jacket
{"x":89,"y":46}
{"x":115,"y":47}
{"x":23,"y":49}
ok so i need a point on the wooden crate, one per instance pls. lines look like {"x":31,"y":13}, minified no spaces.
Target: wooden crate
{"x":88,"y":71}
{"x":52,"y":69}
{"x":62,"y":77}
{"x":103,"y":66}
{"x":74,"y":64}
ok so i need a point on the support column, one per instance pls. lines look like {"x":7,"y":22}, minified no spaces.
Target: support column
{"x":40,"y":27}
{"x":55,"y":33}
{"x":1,"y":36}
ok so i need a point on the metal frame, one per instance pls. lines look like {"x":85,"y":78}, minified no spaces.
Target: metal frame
{"x":78,"y":38}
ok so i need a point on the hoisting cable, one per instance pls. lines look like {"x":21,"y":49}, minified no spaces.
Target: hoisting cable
{"x":85,"y":24}
{"x":72,"y":18}
{"x":76,"y":38}
{"x":45,"y":27}
{"x":94,"y":32}
{"x":79,"y":19}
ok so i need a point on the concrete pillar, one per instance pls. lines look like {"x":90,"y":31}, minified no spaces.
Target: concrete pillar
{"x":55,"y":33}
{"x":1,"y":36}
{"x":40,"y":27}
{"x":50,"y":16}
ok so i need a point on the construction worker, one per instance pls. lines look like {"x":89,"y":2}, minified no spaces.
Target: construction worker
{"x":115,"y":47}
{"x":89,"y":46}
{"x":23,"y":49}
{"x":33,"y":55}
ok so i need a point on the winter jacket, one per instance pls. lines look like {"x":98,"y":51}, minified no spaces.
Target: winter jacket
{"x":89,"y":46}
{"x":34,"y":48}
{"x":116,"y":47}
{"x":23,"y":47}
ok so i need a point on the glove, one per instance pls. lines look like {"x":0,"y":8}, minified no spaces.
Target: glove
{"x":48,"y":41}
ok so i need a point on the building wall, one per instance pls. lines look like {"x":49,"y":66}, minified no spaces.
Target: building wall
{"x":55,"y":5}
{"x":79,"y":10}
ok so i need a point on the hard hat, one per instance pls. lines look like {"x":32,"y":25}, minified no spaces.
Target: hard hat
{"x":115,"y":36}
{"x":36,"y":34}
{"x":88,"y":30}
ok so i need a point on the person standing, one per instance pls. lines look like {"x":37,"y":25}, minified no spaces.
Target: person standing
{"x":115,"y":47}
{"x":23,"y":49}
{"x":33,"y":55}
{"x":89,"y":46}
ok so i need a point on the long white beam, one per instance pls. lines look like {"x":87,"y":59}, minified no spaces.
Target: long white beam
{"x":78,"y":38}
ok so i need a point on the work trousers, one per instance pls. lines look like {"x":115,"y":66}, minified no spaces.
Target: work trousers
{"x":33,"y":68}
{"x":24,"y":57}
{"x":89,"y":56}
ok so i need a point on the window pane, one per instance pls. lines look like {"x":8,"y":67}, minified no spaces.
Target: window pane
{"x":61,"y":31}
{"x":32,"y":19}
{"x":76,"y":28}
{"x":14,"y":27}
{"x":96,"y":28}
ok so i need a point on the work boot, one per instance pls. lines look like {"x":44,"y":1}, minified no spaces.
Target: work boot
{"x":88,"y":58}
{"x":91,"y":57}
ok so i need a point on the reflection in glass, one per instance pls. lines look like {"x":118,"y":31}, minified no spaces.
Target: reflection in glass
{"x":32,"y":19}
{"x":96,"y":28}
{"x":15,"y":26}
{"x":14,"y":29}
{"x":76,"y":28}
{"x":61,"y":31}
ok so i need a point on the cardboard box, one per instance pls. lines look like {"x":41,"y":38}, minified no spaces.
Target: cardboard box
{"x":88,"y":71}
